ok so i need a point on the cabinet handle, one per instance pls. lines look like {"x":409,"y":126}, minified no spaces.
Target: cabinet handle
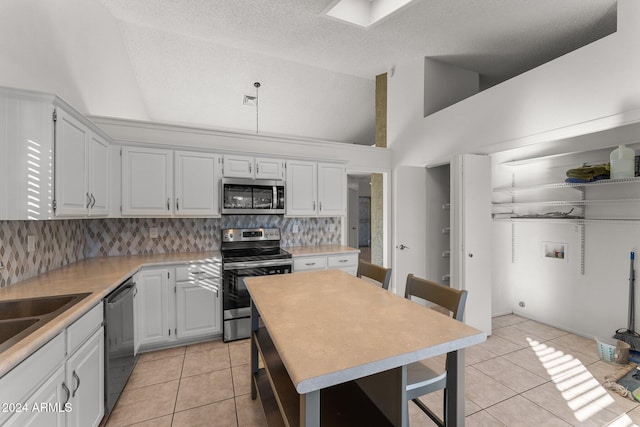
{"x":343,"y":260}
{"x":177,"y":203}
{"x":249,"y":167}
{"x":77,"y":378}
{"x":88,"y":200}
{"x":310,"y":263}
{"x":66,"y":390}
{"x":198,"y":272}
{"x":93,"y":201}
{"x":257,"y":168}
{"x":314,"y":206}
{"x":320,"y":205}
{"x":168,"y":204}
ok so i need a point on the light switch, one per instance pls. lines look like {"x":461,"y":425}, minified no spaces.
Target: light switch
{"x":295,"y":228}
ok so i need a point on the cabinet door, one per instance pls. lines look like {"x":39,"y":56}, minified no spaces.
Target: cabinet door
{"x":198,"y":308}
{"x":197,"y":184}
{"x":85,"y":379}
{"x":98,"y":169}
{"x":301,"y":188}
{"x":52,"y":394}
{"x":332,"y":189}
{"x":147,"y":181}
{"x":238,"y":166}
{"x":71,"y":190}
{"x":153,"y":303}
{"x":269,"y":168}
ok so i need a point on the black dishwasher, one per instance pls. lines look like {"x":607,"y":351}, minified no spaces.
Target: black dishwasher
{"x":119,"y":348}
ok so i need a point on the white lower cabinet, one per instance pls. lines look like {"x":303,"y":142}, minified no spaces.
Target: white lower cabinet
{"x":44,"y":407}
{"x":152,"y":306}
{"x":178,"y":304}
{"x":51,"y":389}
{"x":85,"y":379}
{"x":343,"y":261}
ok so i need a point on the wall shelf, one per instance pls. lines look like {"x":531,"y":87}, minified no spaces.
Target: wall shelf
{"x":579,"y":186}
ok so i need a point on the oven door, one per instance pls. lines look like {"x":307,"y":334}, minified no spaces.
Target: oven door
{"x":236,"y":303}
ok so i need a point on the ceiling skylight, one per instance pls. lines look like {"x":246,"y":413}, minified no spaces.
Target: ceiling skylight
{"x":365,"y":13}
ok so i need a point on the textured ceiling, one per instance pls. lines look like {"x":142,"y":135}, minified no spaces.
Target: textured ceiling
{"x":193,"y":59}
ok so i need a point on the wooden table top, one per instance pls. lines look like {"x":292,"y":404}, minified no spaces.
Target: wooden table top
{"x":330,"y":327}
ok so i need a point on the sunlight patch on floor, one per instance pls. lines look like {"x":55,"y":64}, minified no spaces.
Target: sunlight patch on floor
{"x":582,"y":392}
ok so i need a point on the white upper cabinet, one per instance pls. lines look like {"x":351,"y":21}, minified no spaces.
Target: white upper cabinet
{"x":71,"y":188}
{"x":151,"y":187}
{"x":81,"y":168}
{"x":253,"y":167}
{"x":316,"y":189}
{"x":302,"y":188}
{"x":197,"y":183}
{"x":332,"y":189}
{"x":98,"y":164}
{"x":147,"y":181}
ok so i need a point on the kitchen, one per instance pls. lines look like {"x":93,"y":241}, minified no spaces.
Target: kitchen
{"x":79,"y":238}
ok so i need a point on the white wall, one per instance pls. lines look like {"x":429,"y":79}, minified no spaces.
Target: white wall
{"x":445,"y":85}
{"x":552,"y":108}
{"x":70,"y":48}
{"x":596,"y":81}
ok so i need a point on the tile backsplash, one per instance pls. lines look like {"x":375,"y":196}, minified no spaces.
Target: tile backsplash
{"x":59,"y":243}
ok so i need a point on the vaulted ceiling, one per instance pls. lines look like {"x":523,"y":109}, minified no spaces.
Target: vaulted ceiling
{"x":192,"y":61}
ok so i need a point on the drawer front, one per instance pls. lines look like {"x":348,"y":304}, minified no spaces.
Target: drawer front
{"x":198,"y":271}
{"x":20,"y":382}
{"x":84,"y":327}
{"x":310,"y":263}
{"x":342,"y":260}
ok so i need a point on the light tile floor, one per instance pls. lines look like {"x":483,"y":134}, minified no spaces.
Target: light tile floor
{"x":525,"y":374}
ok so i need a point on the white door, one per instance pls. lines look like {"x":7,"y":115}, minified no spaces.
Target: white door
{"x":85,"y":378}
{"x":471,"y":236}
{"x":332,"y":189}
{"x":269,"y":168}
{"x":147,"y":181}
{"x":153,"y":301}
{"x":98,"y":159}
{"x":197,"y":184}
{"x":238,"y":166}
{"x":302,"y":188}
{"x":71,"y":192}
{"x":410,"y":236}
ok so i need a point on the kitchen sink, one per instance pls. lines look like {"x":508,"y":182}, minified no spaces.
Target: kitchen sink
{"x":21,"y":317}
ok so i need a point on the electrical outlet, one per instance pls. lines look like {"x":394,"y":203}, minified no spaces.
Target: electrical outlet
{"x":31,"y":243}
{"x":153,"y":232}
{"x":295,"y":228}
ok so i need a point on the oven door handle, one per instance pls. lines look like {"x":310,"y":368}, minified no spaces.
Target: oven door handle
{"x":256,"y":264}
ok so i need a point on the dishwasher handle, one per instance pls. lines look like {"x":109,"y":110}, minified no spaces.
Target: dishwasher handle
{"x":122,"y":292}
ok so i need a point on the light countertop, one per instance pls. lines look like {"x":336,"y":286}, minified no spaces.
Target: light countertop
{"x":330,"y":327}
{"x":99,"y":276}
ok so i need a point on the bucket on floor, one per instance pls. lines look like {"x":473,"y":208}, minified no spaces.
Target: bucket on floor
{"x":613,"y":350}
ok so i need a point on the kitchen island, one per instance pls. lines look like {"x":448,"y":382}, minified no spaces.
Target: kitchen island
{"x":326,"y":331}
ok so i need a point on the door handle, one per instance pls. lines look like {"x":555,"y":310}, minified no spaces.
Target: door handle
{"x":402,"y":247}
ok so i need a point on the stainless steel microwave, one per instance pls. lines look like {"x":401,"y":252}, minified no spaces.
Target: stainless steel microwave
{"x":249,"y":196}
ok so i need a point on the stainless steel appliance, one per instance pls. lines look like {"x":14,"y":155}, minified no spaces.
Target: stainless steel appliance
{"x":248,"y":196}
{"x":247,"y":252}
{"x":120,"y":357}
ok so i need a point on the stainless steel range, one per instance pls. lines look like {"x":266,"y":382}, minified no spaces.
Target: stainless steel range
{"x":247,"y":252}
